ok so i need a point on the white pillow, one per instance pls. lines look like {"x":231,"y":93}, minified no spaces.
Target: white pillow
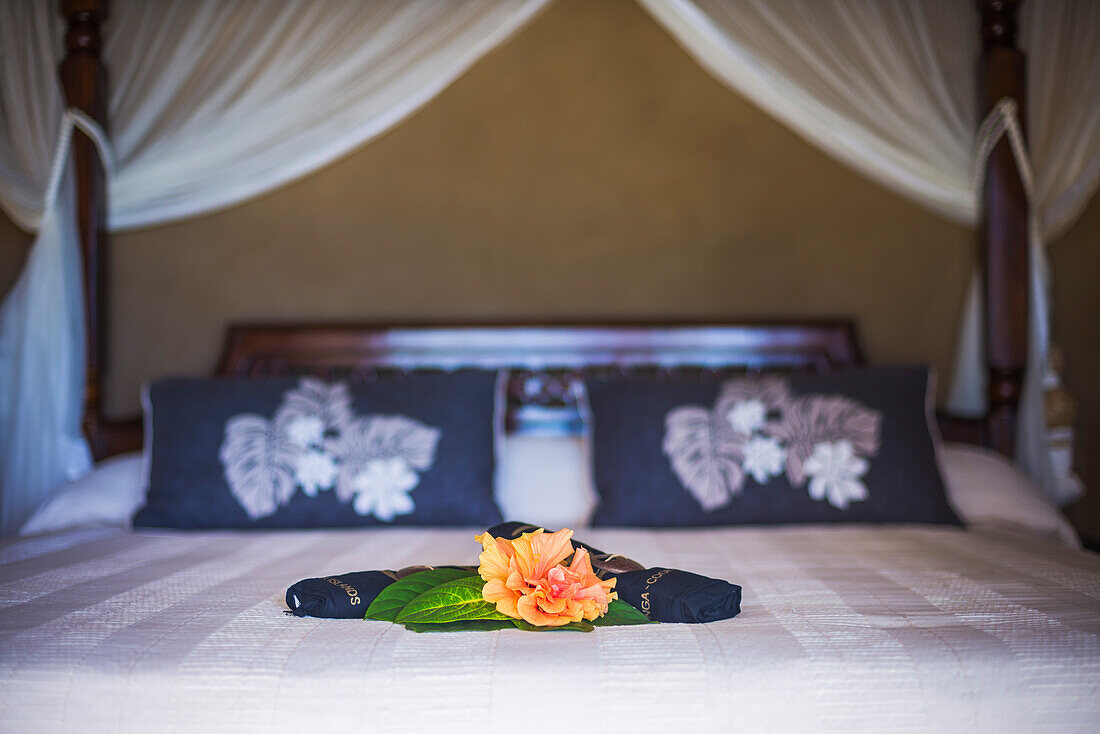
{"x":544,"y":480}
{"x":548,"y":481}
{"x":988,"y":490}
{"x":541,"y":480}
{"x":107,"y":495}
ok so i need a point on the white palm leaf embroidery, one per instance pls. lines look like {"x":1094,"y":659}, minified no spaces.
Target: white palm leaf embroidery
{"x":260,"y":463}
{"x":705,"y":454}
{"x":314,"y":398}
{"x":376,"y":438}
{"x":819,"y":419}
{"x":772,"y":392}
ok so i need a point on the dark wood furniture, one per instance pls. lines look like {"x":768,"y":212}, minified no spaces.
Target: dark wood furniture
{"x":1003,"y":229}
{"x":84,"y":81}
{"x":544,"y":365}
{"x":548,"y":359}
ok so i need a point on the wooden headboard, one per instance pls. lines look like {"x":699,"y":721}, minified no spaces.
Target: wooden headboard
{"x":259,"y":350}
{"x":1002,"y":240}
{"x":544,"y":365}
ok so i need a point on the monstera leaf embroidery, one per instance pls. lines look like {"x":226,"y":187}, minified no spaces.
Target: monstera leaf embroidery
{"x":377,"y":456}
{"x":705,"y":453}
{"x":819,"y":419}
{"x":316,"y":404}
{"x":750,"y":404}
{"x":315,"y":443}
{"x":260,"y":463}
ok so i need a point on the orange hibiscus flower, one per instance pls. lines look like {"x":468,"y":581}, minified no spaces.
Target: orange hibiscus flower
{"x":526,"y":579}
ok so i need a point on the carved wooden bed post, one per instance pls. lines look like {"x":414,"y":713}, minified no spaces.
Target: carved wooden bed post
{"x":1003,"y":234}
{"x":84,"y":81}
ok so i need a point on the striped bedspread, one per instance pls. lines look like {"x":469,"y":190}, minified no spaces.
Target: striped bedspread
{"x":843,"y":629}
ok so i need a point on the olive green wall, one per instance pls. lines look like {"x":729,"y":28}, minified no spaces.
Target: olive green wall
{"x":587,"y":168}
{"x":13,"y":252}
{"x":1075,"y":266}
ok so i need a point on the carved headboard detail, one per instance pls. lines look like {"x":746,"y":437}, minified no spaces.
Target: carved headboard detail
{"x":546,"y":363}
{"x":259,"y":350}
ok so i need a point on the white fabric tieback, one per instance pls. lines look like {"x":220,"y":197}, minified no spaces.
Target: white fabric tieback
{"x":75,"y":118}
{"x":1003,"y":119}
{"x":969,"y":389}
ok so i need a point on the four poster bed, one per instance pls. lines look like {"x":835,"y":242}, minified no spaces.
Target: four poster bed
{"x":846,"y":626}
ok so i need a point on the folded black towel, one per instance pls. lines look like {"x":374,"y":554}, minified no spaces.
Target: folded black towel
{"x":669,"y":595}
{"x":662,"y":594}
{"x":346,"y":596}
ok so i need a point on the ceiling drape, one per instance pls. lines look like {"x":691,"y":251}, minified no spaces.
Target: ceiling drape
{"x":211,"y":103}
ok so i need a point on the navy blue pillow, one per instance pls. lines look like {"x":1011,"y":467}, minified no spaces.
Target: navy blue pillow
{"x":802,"y":448}
{"x":402,"y":449}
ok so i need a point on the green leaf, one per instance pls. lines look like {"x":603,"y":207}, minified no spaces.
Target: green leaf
{"x":467,"y":625}
{"x":387,"y":605}
{"x":619,"y":612}
{"x":453,"y":601}
{"x":571,"y":627}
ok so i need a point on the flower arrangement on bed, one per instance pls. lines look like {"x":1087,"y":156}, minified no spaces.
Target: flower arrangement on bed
{"x":524,"y":583}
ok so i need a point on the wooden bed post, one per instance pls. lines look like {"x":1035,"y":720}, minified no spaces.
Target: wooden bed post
{"x":1003,"y":233}
{"x":84,"y":81}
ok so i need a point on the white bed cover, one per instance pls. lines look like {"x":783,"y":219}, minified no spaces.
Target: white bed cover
{"x":842,"y":629}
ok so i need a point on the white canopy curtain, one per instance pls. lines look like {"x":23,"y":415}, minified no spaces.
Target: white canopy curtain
{"x":215,"y":101}
{"x":889,"y":88}
{"x":210,"y":103}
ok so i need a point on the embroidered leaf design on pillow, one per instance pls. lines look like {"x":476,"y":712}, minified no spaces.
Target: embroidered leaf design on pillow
{"x":378,"y":456}
{"x":387,"y":437}
{"x":315,"y":442}
{"x":705,"y":453}
{"x":260,"y":463}
{"x":738,"y":398}
{"x":758,"y":428}
{"x":825,"y":419}
{"x":317,"y":400}
{"x":836,"y":474}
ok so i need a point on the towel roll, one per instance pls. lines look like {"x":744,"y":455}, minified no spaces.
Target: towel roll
{"x":670,"y":595}
{"x":662,"y":594}
{"x":345,"y":596}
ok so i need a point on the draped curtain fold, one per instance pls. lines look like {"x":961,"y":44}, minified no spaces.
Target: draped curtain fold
{"x":213,"y":102}
{"x":889,"y":89}
{"x":886,"y":88}
{"x":210,"y":103}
